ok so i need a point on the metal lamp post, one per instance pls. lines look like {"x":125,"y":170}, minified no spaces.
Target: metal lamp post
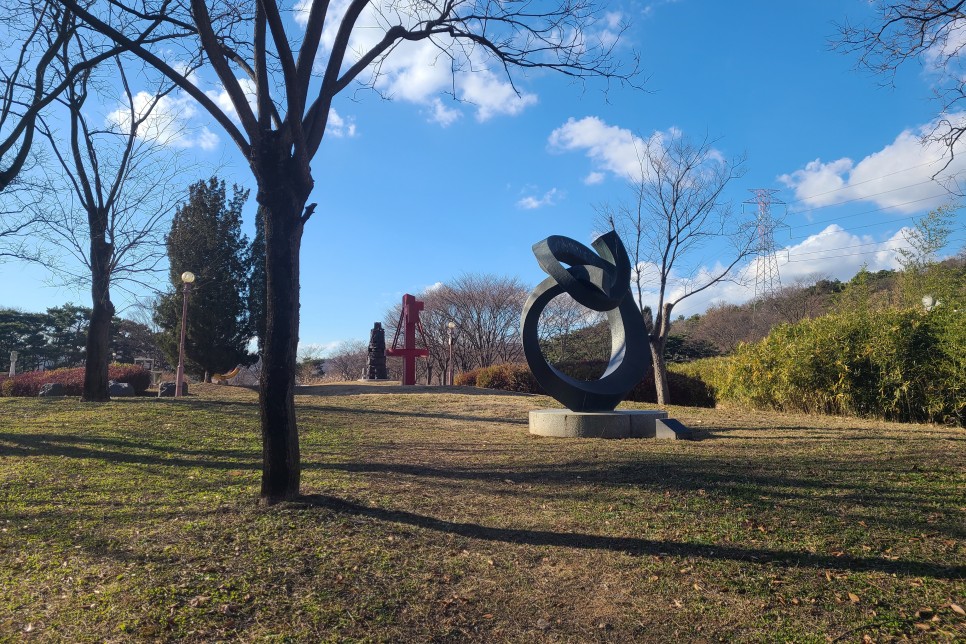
{"x":187,"y":277}
{"x":449,"y":337}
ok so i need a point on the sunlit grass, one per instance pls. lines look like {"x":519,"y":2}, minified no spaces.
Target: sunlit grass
{"x":434,"y":515}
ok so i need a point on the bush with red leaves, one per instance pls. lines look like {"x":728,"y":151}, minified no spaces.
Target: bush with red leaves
{"x":29,"y":383}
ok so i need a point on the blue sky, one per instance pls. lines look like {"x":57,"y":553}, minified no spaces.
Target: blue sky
{"x":420,"y":189}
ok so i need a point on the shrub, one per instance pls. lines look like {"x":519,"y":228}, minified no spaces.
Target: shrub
{"x":135,"y":375}
{"x":467,"y":378}
{"x":684,"y":389}
{"x":508,"y":377}
{"x":897,"y":364}
{"x":29,"y":383}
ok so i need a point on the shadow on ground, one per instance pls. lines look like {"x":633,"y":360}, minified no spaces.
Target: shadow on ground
{"x":638,"y":547}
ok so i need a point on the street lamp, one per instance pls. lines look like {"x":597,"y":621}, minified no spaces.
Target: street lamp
{"x":187,"y":277}
{"x":449,"y":336}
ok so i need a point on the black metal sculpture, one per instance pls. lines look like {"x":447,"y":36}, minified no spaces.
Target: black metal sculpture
{"x":601,"y":283}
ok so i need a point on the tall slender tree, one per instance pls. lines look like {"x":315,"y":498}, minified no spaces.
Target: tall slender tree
{"x":281,"y":88}
{"x":107,"y":196}
{"x":678,"y":207}
{"x":206,"y":239}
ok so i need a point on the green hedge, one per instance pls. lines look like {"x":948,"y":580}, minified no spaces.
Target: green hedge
{"x":684,"y":389}
{"x":905,"y":365}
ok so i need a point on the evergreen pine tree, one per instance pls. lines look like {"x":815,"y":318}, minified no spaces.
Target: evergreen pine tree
{"x":206,"y":239}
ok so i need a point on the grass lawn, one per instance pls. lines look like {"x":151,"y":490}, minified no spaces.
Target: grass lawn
{"x":432,"y":515}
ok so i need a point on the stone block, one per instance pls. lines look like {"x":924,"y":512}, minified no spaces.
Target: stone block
{"x":119,"y":389}
{"x":52,"y":389}
{"x":166,"y":389}
{"x":673,"y":429}
{"x":643,"y":422}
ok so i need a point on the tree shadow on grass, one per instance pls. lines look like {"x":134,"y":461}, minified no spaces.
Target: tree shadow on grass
{"x":120,"y":451}
{"x":413,"y":414}
{"x":638,"y":547}
{"x":353,"y":389}
{"x":741,"y":484}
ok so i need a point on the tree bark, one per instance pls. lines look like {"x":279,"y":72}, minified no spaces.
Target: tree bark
{"x":660,"y":371}
{"x":99,"y":331}
{"x":283,"y":196}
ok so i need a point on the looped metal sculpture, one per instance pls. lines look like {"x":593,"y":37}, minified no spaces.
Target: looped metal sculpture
{"x":599,"y":282}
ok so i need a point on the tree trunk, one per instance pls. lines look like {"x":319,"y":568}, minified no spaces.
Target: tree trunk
{"x":660,"y":371}
{"x":99,"y":331}
{"x":284,"y":201}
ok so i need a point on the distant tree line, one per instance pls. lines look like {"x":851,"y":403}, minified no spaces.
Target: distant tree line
{"x":57,"y":338}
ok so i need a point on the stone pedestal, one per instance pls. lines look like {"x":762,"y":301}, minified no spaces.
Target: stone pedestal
{"x":563,"y":423}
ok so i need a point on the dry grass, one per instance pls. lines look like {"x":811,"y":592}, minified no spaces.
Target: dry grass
{"x":432,"y":515}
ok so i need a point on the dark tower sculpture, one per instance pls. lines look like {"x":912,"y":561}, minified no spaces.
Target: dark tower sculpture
{"x":376,"y":361}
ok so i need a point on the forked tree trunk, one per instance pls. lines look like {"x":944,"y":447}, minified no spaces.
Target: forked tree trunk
{"x":281,"y":465}
{"x":99,"y":331}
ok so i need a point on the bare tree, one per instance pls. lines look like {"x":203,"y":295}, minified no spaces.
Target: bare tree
{"x":26,"y":88}
{"x":928,"y":31}
{"x":282,"y":108}
{"x":17,"y":221}
{"x":801,"y":300}
{"x":106,"y":200}
{"x":486,"y":311}
{"x":559,"y":323}
{"x":347,"y":361}
{"x":42,"y":32}
{"x":678,"y":207}
{"x":24,"y":77}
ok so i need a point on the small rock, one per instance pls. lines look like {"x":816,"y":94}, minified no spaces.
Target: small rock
{"x":543,"y":624}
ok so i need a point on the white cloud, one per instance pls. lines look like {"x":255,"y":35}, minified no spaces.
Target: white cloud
{"x":167,"y":123}
{"x":492,"y":96}
{"x":340,"y":127}
{"x":898,"y":176}
{"x":832,"y":253}
{"x":652,"y":6}
{"x":223,"y":100}
{"x":611,"y":148}
{"x":419,"y":71}
{"x":549,"y":198}
{"x":300,"y":12}
{"x":442,"y":114}
{"x":943,"y":56}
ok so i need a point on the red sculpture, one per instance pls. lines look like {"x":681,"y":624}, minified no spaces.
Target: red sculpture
{"x":409,"y":323}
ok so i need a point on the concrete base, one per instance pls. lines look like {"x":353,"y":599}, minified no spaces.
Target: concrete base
{"x":563,"y":423}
